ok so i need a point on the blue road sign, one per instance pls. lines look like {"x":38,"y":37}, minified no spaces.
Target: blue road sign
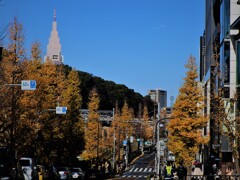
{"x":124,"y":142}
{"x":61,"y":110}
{"x":28,"y":85}
{"x":64,"y":110}
{"x":33,"y":84}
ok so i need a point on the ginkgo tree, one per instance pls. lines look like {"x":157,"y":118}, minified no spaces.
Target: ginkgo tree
{"x":124,"y":124}
{"x":12,"y":57}
{"x":147,"y":130}
{"x":184,"y":131}
{"x":92,"y":132}
{"x":30,"y":103}
{"x":72,"y":126}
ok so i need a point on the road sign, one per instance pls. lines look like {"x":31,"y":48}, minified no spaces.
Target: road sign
{"x":161,"y":153}
{"x":124,"y":142}
{"x":28,"y":85}
{"x":131,"y":139}
{"x":61,"y":110}
{"x":148,"y":143}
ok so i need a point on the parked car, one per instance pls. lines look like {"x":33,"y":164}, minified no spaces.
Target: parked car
{"x":64,"y":173}
{"x":77,"y":173}
{"x":6,"y":171}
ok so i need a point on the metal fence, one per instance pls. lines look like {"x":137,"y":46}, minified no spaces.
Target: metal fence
{"x":207,"y":177}
{"x":214,"y":177}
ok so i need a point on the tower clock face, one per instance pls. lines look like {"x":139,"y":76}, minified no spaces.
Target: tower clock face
{"x":55,"y":56}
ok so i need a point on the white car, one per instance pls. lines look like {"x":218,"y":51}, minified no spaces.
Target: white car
{"x":64,"y":172}
{"x":77,"y":173}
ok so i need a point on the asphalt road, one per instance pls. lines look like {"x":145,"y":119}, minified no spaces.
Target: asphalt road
{"x":142,"y":168}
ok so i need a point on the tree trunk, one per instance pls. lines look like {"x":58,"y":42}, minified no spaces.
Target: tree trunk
{"x":236,"y":159}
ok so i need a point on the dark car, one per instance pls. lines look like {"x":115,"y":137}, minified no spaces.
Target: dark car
{"x":51,"y":172}
{"x":6,"y":171}
{"x":77,"y":173}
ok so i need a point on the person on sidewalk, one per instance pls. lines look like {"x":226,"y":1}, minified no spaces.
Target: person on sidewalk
{"x":229,"y":173}
{"x":181,"y":172}
{"x":168,"y":171}
{"x":197,"y":172}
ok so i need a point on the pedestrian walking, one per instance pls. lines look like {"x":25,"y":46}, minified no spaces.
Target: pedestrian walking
{"x":181,"y":172}
{"x":197,"y":172}
{"x":229,"y":172}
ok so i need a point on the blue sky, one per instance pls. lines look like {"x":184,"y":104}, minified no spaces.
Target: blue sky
{"x":143,"y":44}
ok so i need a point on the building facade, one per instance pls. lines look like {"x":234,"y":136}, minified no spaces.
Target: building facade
{"x":209,"y":71}
{"x":54,"y":46}
{"x":158,"y":96}
{"x":229,"y":63}
{"x":219,"y":70}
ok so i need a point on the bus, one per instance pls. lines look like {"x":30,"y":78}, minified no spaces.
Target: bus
{"x":27,"y":166}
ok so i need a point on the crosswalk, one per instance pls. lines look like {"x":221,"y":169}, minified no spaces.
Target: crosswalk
{"x":135,"y":169}
{"x":134,"y":176}
{"x":137,"y":172}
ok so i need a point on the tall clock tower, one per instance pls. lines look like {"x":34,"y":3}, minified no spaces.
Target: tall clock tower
{"x":54,"y":46}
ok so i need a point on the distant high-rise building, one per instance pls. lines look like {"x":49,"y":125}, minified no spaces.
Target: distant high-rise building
{"x":159,"y":96}
{"x":54,"y":46}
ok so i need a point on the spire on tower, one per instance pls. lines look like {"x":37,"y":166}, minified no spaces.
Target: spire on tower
{"x":54,"y":15}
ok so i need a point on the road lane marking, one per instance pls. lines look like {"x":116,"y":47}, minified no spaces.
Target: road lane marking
{"x":136,"y":170}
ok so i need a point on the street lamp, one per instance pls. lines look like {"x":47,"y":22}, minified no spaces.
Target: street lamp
{"x":57,"y":110}
{"x":158,"y":143}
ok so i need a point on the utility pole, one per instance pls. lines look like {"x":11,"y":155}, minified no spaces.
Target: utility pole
{"x":158,"y":143}
{"x":114,"y":150}
{"x":172,"y":100}
{"x":97,"y":140}
{"x":118,"y":144}
{"x":114,"y":146}
{"x":12,"y":130}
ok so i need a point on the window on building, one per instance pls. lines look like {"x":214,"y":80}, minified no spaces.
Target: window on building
{"x":225,"y":62}
{"x":227,"y":71}
{"x":226,"y":92}
{"x":225,"y":18}
{"x":238,"y":62}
